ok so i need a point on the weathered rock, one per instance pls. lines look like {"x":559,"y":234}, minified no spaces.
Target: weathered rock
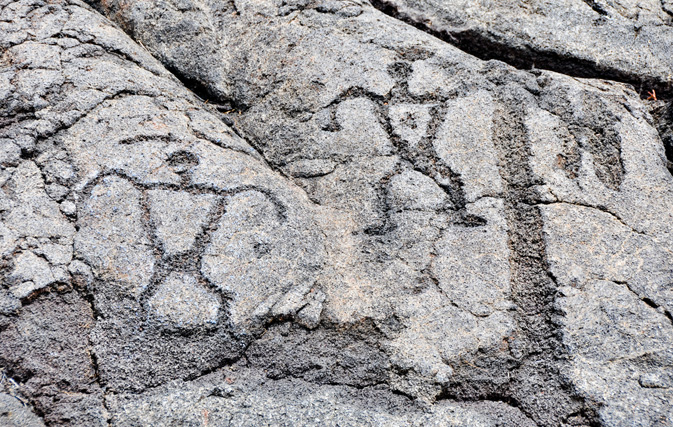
{"x":479,"y":265}
{"x":47,"y":351}
{"x":14,"y":413}
{"x":418,"y":237}
{"x":627,"y":40}
{"x":242,"y":397}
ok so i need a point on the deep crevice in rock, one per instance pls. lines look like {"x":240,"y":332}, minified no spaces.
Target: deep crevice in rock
{"x":474,"y":43}
{"x":662,"y":113}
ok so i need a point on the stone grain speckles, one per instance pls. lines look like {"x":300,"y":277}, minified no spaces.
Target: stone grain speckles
{"x":622,"y":40}
{"x":179,"y":217}
{"x":323,"y":216}
{"x":243,"y":397}
{"x":261,"y":259}
{"x":183,"y":302}
{"x":15,"y":414}
{"x":112,"y":238}
{"x":47,"y":351}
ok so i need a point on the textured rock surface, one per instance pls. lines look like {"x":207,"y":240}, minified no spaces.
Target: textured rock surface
{"x":396,"y":233}
{"x":628,"y":40}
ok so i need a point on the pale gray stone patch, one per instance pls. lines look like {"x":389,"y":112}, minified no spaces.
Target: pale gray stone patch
{"x":661,"y":379}
{"x":621,"y":347}
{"x":135,"y":126}
{"x":410,"y":122}
{"x":465,"y":143}
{"x":34,"y":213}
{"x":9,"y":304}
{"x":352,"y":188}
{"x":57,"y":192}
{"x":310,"y":168}
{"x":587,"y":244}
{"x":112,"y":237}
{"x":10,"y":153}
{"x":36,"y":84}
{"x":78,"y":268}
{"x":58,"y":170}
{"x":68,"y":208}
{"x":36,"y":55}
{"x":645,"y":194}
{"x":309,"y":316}
{"x":15,"y":413}
{"x":613,"y":279}
{"x":427,"y":346}
{"x":259,"y":258}
{"x":179,"y":217}
{"x":182,"y":302}
{"x":8,"y":240}
{"x":32,"y":273}
{"x":431,"y":78}
{"x":353,"y":116}
{"x":243,"y":397}
{"x":227,"y":170}
{"x":55,"y":253}
{"x":413,"y":190}
{"x":472,"y":263}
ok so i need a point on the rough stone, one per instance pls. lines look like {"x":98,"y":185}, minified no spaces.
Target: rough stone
{"x":181,"y":301}
{"x":242,"y":397}
{"x":625,"y":40}
{"x":311,"y":213}
{"x":179,"y":217}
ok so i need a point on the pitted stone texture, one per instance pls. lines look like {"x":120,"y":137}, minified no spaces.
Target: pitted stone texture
{"x":623,"y":39}
{"x":31,"y":272}
{"x":621,"y":350}
{"x":181,"y":301}
{"x":377,"y":123}
{"x":465,"y":143}
{"x":410,"y":122}
{"x":412,"y":190}
{"x":375,"y":258}
{"x":259,"y":258}
{"x":47,"y":352}
{"x":15,"y":414}
{"x":569,"y":166}
{"x":113,"y":238}
{"x":435,"y":256}
{"x":243,"y":397}
{"x":30,"y":213}
{"x":482,"y":283}
{"x":617,"y":301}
{"x":179,"y":217}
{"x":107,"y":137}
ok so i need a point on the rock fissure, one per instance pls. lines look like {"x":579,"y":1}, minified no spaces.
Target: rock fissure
{"x":524,"y":56}
{"x":402,"y":222}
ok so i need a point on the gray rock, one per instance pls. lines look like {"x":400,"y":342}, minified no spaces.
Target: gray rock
{"x":179,"y":218}
{"x":47,"y":351}
{"x":623,"y":40}
{"x":31,"y":272}
{"x":242,"y":397}
{"x":182,"y":301}
{"x":112,"y":238}
{"x":408,"y":235}
{"x":14,"y":413}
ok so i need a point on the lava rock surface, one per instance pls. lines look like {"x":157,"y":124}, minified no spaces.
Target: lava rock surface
{"x":297,"y":212}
